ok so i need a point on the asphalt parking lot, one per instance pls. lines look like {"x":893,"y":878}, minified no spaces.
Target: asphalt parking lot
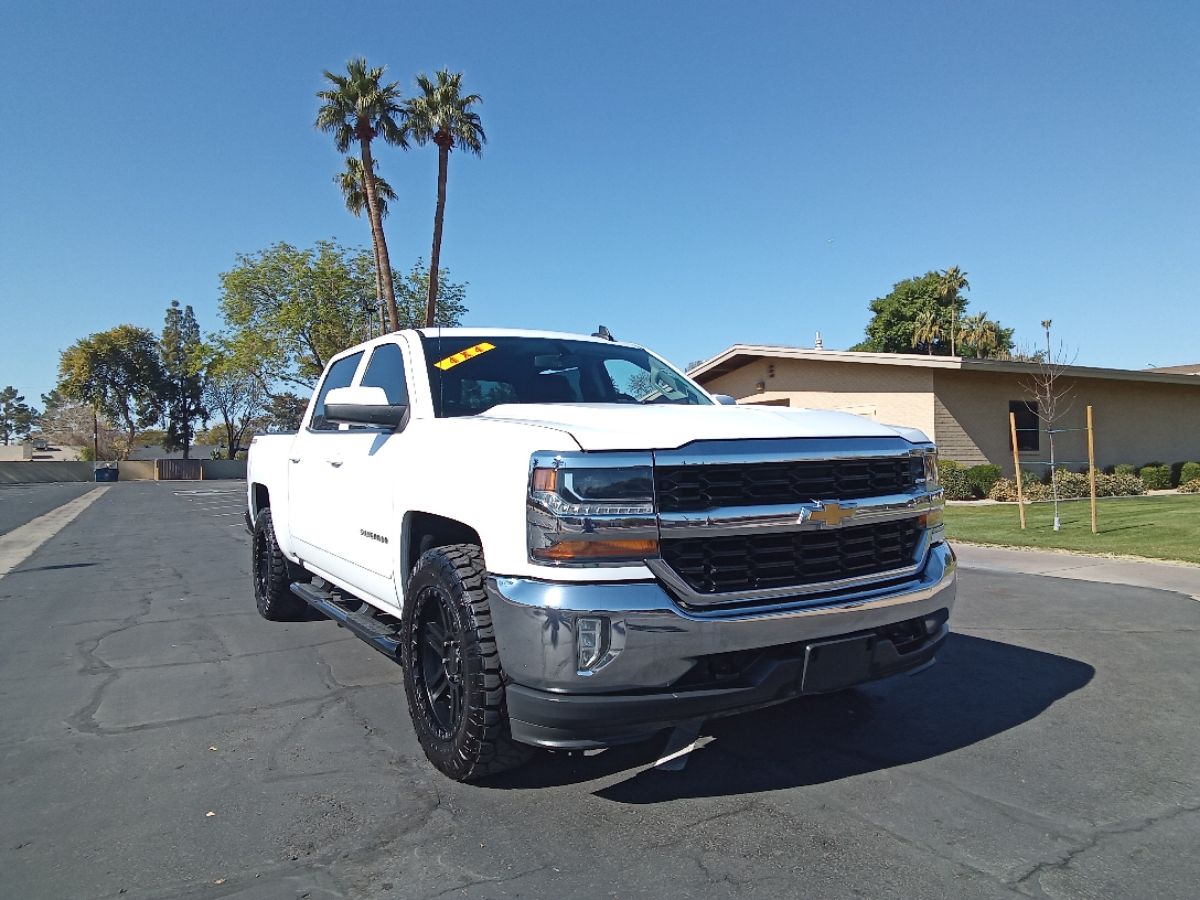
{"x":159,"y":739}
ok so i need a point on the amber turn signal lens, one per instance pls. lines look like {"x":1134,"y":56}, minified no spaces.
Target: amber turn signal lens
{"x":570,"y":550}
{"x":545,"y":480}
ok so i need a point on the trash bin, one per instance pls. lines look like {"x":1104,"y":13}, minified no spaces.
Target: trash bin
{"x":106,"y":473}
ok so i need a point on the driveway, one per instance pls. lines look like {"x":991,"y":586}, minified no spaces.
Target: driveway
{"x":159,"y":739}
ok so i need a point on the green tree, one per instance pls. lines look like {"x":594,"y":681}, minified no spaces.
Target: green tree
{"x":350,"y":181}
{"x":235,"y":395}
{"x":183,"y":378}
{"x":118,"y":373}
{"x":287,"y":310}
{"x":442,"y":114}
{"x":951,"y":283}
{"x":920,"y":313}
{"x":284,"y":412}
{"x":358,"y":108}
{"x":980,"y":335}
{"x":412,"y":294}
{"x":927,"y":329}
{"x":16,"y":416}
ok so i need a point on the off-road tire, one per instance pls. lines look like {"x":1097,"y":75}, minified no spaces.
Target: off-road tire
{"x":446,"y":593}
{"x":273,"y":575}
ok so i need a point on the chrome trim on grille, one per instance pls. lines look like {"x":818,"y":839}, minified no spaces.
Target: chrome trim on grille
{"x":791,"y":517}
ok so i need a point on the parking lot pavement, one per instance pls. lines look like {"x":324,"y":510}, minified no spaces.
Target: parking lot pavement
{"x":21,"y":503}
{"x":159,"y":739}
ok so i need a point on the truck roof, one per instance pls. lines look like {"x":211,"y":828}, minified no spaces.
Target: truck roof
{"x":516,"y":332}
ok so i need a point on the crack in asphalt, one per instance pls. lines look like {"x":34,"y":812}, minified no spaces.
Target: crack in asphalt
{"x":1032,"y":879}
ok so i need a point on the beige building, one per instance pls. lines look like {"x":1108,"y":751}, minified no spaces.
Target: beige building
{"x":964,"y":404}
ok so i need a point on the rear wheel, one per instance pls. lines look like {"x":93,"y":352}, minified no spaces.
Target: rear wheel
{"x":452,"y":671}
{"x":273,"y":575}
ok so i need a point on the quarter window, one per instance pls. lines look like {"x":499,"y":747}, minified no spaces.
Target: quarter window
{"x":340,"y":374}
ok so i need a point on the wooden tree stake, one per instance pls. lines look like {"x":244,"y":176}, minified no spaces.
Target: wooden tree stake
{"x":1092,"y":464}
{"x":1012,"y":427}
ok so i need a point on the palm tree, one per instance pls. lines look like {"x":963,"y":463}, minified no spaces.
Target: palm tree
{"x":350,"y":181}
{"x":927,"y":329}
{"x":950,"y":283}
{"x":981,"y":333}
{"x":442,"y":114}
{"x":359,"y":107}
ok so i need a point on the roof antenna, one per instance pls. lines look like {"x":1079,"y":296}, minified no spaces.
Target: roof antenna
{"x":603,"y":333}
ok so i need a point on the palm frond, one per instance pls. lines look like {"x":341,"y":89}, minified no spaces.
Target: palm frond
{"x":440,"y":108}
{"x":350,"y":182}
{"x":358,"y":106}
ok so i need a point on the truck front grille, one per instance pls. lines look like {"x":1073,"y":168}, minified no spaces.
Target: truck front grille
{"x":717,"y":565}
{"x":700,"y":487}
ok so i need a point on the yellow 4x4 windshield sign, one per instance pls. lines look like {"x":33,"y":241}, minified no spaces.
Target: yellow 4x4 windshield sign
{"x":463,"y":355}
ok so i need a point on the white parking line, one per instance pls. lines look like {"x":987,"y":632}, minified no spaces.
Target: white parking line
{"x":18,"y":544}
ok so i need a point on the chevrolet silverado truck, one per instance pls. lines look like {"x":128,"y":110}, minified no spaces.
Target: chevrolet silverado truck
{"x":565,"y":543}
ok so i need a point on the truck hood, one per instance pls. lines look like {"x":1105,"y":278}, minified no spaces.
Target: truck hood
{"x":608,"y":426}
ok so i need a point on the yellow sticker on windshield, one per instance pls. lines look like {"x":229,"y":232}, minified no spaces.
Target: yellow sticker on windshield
{"x":463,"y":355}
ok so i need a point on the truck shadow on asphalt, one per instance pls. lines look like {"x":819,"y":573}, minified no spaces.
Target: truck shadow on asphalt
{"x":978,"y":689}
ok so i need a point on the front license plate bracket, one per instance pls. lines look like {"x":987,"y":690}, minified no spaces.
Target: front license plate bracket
{"x":833,"y":665}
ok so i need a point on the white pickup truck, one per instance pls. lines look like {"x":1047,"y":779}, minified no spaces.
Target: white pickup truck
{"x":565,"y":543}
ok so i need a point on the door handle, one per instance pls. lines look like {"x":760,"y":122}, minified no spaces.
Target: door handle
{"x":294,"y":459}
{"x":334,"y":462}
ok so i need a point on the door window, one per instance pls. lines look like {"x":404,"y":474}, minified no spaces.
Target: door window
{"x":386,"y":370}
{"x":341,"y":373}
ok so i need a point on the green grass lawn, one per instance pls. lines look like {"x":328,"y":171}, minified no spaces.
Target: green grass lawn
{"x":1157,"y":527}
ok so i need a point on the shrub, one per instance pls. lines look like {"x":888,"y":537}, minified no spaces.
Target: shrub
{"x":1119,"y":485}
{"x":1125,"y":469}
{"x":1190,"y":487}
{"x":982,"y":478}
{"x":1189,"y":471}
{"x":1156,"y":477}
{"x":1071,"y":485}
{"x":954,"y":481}
{"x":1005,"y":489}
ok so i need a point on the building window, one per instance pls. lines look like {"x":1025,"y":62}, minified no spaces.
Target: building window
{"x":1028,"y":425}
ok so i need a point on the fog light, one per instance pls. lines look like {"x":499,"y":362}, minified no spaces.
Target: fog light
{"x":591,"y":636}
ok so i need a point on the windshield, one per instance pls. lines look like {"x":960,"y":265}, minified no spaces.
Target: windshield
{"x":470,"y":375}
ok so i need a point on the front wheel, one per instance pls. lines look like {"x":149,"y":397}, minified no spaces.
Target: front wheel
{"x":452,"y":673}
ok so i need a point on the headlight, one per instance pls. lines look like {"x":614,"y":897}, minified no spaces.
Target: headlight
{"x":595,"y":492}
{"x":591,"y":509}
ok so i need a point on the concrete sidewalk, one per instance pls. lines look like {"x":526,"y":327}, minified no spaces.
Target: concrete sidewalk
{"x":1166,"y":576}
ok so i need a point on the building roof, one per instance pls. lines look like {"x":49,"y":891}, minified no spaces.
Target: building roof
{"x":1192,"y":369}
{"x":742,"y":354}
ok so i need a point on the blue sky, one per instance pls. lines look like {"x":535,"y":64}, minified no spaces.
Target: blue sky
{"x":690,"y":174}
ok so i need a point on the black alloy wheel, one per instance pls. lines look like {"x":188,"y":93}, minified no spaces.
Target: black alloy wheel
{"x":274,"y":574}
{"x":452,"y":672}
{"x":436,"y":657}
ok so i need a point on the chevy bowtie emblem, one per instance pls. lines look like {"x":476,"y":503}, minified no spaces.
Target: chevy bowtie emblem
{"x":829,"y":514}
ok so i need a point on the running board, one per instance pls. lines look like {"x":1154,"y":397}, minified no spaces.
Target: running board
{"x":376,"y":633}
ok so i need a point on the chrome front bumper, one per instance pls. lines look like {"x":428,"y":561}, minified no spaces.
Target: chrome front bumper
{"x":654,"y":642}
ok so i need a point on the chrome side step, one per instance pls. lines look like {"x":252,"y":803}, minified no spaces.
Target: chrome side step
{"x":383,"y":637}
